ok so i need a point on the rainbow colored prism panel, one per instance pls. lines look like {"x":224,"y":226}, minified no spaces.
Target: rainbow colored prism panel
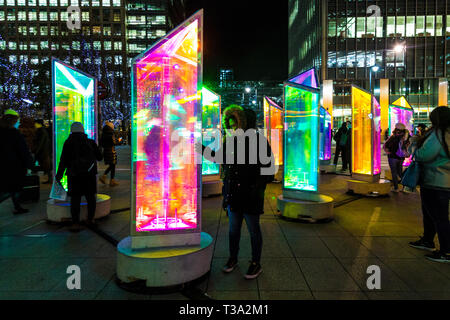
{"x":301,"y":138}
{"x":210,"y":125}
{"x":73,"y":101}
{"x":307,"y":78}
{"x":325,"y":135}
{"x":376,"y":110}
{"x":362,"y":132}
{"x":166,"y":121}
{"x":273,"y":128}
{"x":405,"y":116}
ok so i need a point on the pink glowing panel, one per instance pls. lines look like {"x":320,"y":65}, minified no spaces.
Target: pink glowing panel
{"x":401,"y":112}
{"x":376,"y":112}
{"x":166,"y":122}
{"x":307,"y":78}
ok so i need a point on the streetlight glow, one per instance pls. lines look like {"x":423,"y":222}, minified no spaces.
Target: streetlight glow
{"x":399,"y":48}
{"x":375,"y":68}
{"x":247,"y":89}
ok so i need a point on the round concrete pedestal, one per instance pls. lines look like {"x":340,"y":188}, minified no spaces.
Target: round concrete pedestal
{"x":164,"y":266}
{"x":388,"y":175}
{"x":59,"y":211}
{"x":306,"y":210}
{"x":327,"y":168}
{"x":211,"y":188}
{"x":379,"y":188}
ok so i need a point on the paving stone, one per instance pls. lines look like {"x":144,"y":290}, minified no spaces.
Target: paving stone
{"x":393,"y":295}
{"x":326,"y":274}
{"x":309,"y":247}
{"x":346,"y":247}
{"x":286,"y":295}
{"x":385,"y":247}
{"x":339,"y":295}
{"x":281,"y":273}
{"x":234,"y":281}
{"x":234,"y":295}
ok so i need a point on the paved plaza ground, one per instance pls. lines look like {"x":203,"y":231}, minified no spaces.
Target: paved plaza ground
{"x":300,"y":261}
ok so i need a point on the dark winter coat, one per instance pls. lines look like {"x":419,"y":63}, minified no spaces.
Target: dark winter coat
{"x":343,"y":131}
{"x":79,"y":183}
{"x":15,"y":159}
{"x":392,"y":144}
{"x":243,"y":184}
{"x":108,"y":143}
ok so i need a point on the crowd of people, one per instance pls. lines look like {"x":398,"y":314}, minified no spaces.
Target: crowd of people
{"x":244,"y":185}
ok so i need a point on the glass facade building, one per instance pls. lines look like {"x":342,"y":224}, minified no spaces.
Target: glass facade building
{"x":406,"y":39}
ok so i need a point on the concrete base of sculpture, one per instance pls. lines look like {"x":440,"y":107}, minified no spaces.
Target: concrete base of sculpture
{"x":327,"y":168}
{"x":164,"y":266}
{"x":211,"y":186}
{"x":378,"y":188}
{"x":312,"y":211}
{"x":59,"y":211}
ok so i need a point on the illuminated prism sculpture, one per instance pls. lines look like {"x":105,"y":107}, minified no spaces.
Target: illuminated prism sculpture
{"x":366,"y":136}
{"x":400,"y":111}
{"x":325,"y":135}
{"x":273,"y":128}
{"x":74,"y":97}
{"x":166,"y":121}
{"x":211,"y":123}
{"x":166,"y":246}
{"x":301,"y":197}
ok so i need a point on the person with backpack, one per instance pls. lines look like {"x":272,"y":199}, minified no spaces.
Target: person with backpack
{"x":15,"y":160}
{"x":79,"y":162}
{"x":41,"y":149}
{"x":341,"y":138}
{"x":433,"y":156}
{"x":396,"y":148}
{"x":108,"y":143}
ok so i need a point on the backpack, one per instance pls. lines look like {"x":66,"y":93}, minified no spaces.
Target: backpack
{"x":343,"y":140}
{"x":84,"y":159}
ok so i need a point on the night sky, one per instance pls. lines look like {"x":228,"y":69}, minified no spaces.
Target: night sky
{"x":248,"y":35}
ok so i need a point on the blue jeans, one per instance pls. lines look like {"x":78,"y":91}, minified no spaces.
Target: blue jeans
{"x":252,"y":222}
{"x":396,"y":170}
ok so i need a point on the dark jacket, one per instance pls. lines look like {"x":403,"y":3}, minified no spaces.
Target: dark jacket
{"x":108,"y":143}
{"x":15,"y":159}
{"x":343,"y":131}
{"x":392,"y":144}
{"x":78,"y":145}
{"x":243,"y":184}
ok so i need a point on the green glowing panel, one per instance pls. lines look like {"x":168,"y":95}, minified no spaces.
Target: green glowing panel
{"x":210,"y":128}
{"x":301,"y":138}
{"x":74,"y":100}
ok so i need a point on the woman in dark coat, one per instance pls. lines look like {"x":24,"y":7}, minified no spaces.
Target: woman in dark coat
{"x":79,"y":157}
{"x":41,"y":148}
{"x":14,"y":161}
{"x":108,"y":143}
{"x":243,"y":185}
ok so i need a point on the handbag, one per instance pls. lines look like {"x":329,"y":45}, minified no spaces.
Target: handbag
{"x":411,"y":176}
{"x":58,"y":192}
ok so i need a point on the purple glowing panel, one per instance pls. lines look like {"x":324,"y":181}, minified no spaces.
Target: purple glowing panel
{"x":307,"y":78}
{"x":325,"y":135}
{"x":376,"y":136}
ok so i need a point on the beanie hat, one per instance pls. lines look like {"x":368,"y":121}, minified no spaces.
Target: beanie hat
{"x":12,"y":112}
{"x":76,"y":127}
{"x":400,"y":126}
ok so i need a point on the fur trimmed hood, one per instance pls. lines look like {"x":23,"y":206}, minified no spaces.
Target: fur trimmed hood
{"x":238,"y":113}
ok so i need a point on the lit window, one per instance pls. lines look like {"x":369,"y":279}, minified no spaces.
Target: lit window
{"x":85,"y":2}
{"x":74,"y":2}
{"x":97,"y":45}
{"x":54,"y":3}
{"x":360,"y":27}
{"x":439,"y":25}
{"x":31,"y":2}
{"x":23,"y":58}
{"x":13,"y":59}
{"x":448,"y":29}
{"x":53,"y":16}
{"x":379,"y":23}
{"x":21,"y":2}
{"x":33,"y":31}
{"x":332,"y":28}
{"x":64,"y":2}
{"x":96,"y":30}
{"x":32,"y":15}
{"x":12,"y":45}
{"x":2,"y":15}
{"x":76,"y":61}
{"x":23,"y":46}
{"x":11,"y":2}
{"x":33,"y":46}
{"x":76,"y":45}
{"x":53,"y":31}
{"x":160,"y":33}
{"x":160,"y":19}
{"x":34,"y":60}
{"x":86,"y":30}
{"x":420,"y":26}
{"x":116,"y":3}
{"x":107,"y":31}
{"x":107,"y":45}
{"x":430,"y":26}
{"x":370,"y":27}
{"x":390,"y":26}
{"x":117,"y":45}
{"x":106,"y":3}
{"x":85,"y":16}
{"x":64,"y":15}
{"x":400,"y":27}
{"x":410,"y":26}
{"x":23,"y":30}
{"x":44,"y":30}
{"x":22,"y":16}
{"x":54,"y":46}
{"x":42,"y":2}
{"x":116,"y":17}
{"x":108,"y":59}
{"x":65,"y":46}
{"x":117,"y":59}
{"x":96,"y":3}
{"x":2,"y":44}
{"x":11,"y":15}
{"x":43,"y":16}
